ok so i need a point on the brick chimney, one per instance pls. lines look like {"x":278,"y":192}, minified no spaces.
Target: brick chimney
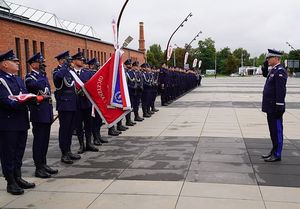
{"x":142,"y":38}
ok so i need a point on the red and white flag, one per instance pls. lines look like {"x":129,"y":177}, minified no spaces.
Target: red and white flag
{"x":99,"y":91}
{"x":169,"y":53}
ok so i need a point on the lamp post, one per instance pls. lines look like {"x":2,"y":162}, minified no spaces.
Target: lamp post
{"x":181,"y":25}
{"x":194,"y":39}
{"x":290,"y":46}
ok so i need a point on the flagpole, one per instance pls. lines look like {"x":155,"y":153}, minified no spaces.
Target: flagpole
{"x":119,"y":21}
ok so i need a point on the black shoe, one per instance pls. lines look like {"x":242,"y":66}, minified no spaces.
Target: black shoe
{"x":103,"y":140}
{"x":97,"y":142}
{"x":146,"y":115}
{"x":272,"y":158}
{"x":138,"y":119}
{"x":24,"y":184}
{"x":164,"y":104}
{"x":113,"y":132}
{"x":14,"y":189}
{"x":130,"y":123}
{"x":121,"y":128}
{"x":89,"y":146}
{"x":50,"y":170}
{"x":66,"y":159}
{"x":42,"y":173}
{"x":266,"y":155}
{"x":155,"y":110}
{"x":150,"y":112}
{"x":74,"y":156}
{"x":81,"y":145}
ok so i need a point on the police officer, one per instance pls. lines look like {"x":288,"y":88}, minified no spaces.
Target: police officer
{"x":147,"y":86}
{"x":139,"y":91}
{"x":14,"y":124}
{"x":41,"y":115}
{"x":66,"y":105}
{"x":274,"y":103}
{"x":132,"y":85}
{"x":96,"y":119}
{"x":83,"y":115}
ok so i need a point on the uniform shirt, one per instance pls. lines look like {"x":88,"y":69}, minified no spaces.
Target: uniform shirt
{"x":13,"y":115}
{"x":274,"y":89}
{"x":37,"y":83}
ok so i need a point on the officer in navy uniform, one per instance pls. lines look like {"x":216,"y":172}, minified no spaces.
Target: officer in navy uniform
{"x":14,"y":122}
{"x":163,"y":79}
{"x":139,"y":91}
{"x":83,"y":115}
{"x":273,"y":102}
{"x":41,"y":115}
{"x":66,"y":105}
{"x":97,"y":120}
{"x":61,"y":59}
{"x":147,"y":87}
{"x":131,"y":83}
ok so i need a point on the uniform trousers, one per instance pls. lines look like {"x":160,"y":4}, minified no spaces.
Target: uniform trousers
{"x":67,"y":124}
{"x":41,"y":136}
{"x":12,"y":148}
{"x":276,"y":133}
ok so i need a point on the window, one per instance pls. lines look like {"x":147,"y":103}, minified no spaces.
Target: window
{"x":26,"y":45}
{"x":99,"y":56}
{"x":78,"y":49}
{"x":87,"y":54}
{"x":18,"y":54}
{"x":104,"y":56}
{"x":95,"y":54}
{"x":34,"y":47}
{"x":83,"y":52}
{"x":102,"y":61}
{"x":91,"y":54}
{"x":109,"y":54}
{"x":42,"y":46}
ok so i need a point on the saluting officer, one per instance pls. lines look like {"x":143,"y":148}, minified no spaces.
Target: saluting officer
{"x":14,"y":124}
{"x":83,"y":115}
{"x":66,"y":105}
{"x":41,"y":115}
{"x":274,"y":103}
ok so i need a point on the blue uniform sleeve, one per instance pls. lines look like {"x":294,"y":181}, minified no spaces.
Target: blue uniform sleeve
{"x":7,"y":103}
{"x":34,"y":85}
{"x":280,"y":80}
{"x":59,"y":75}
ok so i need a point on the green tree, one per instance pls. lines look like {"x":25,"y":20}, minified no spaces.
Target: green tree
{"x":231,"y":64}
{"x":206,"y":52}
{"x":222,"y":56}
{"x":239,"y":53}
{"x":155,"y":56}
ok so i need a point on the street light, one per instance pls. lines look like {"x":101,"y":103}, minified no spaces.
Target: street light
{"x":181,"y":25}
{"x":290,"y":46}
{"x":194,"y":39}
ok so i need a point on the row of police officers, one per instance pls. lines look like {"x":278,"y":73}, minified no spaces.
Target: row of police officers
{"x":75,"y":111}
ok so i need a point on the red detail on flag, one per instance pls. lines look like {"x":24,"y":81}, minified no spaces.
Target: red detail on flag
{"x":22,"y":97}
{"x":99,"y":90}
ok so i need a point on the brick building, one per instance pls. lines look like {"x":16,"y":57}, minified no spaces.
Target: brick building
{"x":27,"y":37}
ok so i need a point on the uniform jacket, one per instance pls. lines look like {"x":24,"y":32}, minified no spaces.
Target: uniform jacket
{"x":83,"y":101}
{"x":275,"y":89}
{"x":37,"y":83}
{"x":65,"y":94}
{"x":13,"y":115}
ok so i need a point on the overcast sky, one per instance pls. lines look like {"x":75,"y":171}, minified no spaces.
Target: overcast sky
{"x":252,"y":24}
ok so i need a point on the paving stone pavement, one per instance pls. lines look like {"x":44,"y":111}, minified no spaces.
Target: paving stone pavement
{"x":202,"y":151}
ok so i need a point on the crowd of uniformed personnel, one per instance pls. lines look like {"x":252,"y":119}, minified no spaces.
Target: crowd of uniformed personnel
{"x":75,"y":111}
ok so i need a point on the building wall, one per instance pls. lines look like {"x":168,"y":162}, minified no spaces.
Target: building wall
{"x":26,"y":40}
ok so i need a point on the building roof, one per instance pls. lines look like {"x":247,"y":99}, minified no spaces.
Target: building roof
{"x":42,"y":19}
